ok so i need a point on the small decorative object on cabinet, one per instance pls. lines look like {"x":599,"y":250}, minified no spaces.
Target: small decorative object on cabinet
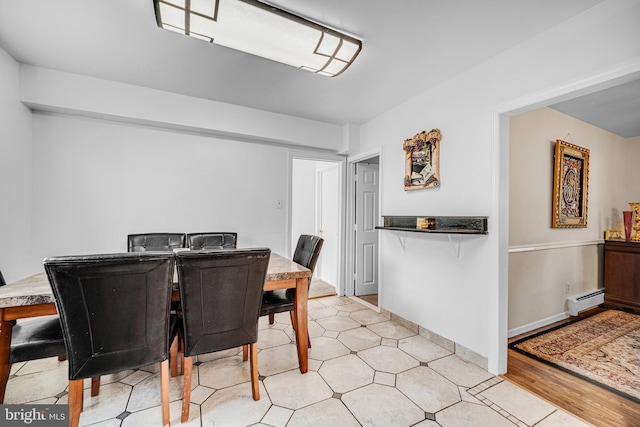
{"x":570,"y":184}
{"x":613,"y":234}
{"x":635,"y":236}
{"x":422,"y":160}
{"x":628,"y":224}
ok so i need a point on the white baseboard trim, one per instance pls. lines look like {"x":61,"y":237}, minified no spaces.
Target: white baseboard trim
{"x":539,"y":324}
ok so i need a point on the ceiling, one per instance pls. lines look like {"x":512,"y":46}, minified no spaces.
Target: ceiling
{"x":616,"y":110}
{"x":408,"y":47}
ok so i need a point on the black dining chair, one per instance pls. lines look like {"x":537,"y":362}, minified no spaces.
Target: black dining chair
{"x":231,"y":282}
{"x":114,"y":311}
{"x":162,"y":242}
{"x":31,"y":339}
{"x":149,"y":242}
{"x":306,"y":254}
{"x":212,"y":240}
{"x":199,"y":242}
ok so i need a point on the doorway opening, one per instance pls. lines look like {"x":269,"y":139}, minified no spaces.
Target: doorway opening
{"x":316,"y":209}
{"x":502,"y":148}
{"x":364,"y":217}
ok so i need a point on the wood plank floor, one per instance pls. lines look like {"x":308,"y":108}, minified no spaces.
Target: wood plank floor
{"x":371,"y":299}
{"x":590,"y":402}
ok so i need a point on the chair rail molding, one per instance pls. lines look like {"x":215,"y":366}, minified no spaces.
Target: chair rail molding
{"x":556,"y":245}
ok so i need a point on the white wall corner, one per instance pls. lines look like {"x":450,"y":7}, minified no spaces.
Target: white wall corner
{"x":350,"y":139}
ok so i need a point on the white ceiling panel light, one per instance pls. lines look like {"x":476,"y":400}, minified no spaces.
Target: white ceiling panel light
{"x":263,"y":30}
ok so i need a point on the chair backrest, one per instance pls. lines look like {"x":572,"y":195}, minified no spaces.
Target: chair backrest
{"x":231,"y":282}
{"x":214,"y":240}
{"x":308,"y":251}
{"x":114,"y":309}
{"x":155,"y":242}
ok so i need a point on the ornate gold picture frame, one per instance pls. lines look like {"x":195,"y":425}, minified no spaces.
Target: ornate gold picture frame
{"x":422,"y":160}
{"x":570,"y":186}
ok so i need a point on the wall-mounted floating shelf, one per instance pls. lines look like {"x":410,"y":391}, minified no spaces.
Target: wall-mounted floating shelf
{"x":437,"y":224}
{"x":468,"y":225}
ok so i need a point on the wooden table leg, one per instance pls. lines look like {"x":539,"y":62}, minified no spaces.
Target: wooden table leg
{"x":302,"y":331}
{"x":5,"y":350}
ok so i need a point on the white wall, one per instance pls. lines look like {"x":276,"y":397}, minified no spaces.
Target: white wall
{"x":303,"y":199}
{"x":96,"y":181}
{"x":15,"y":174}
{"x":465,"y":299}
{"x":51,"y":90}
{"x":550,"y":258}
{"x":110,"y":159}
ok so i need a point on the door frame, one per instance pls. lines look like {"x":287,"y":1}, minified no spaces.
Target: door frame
{"x":321,"y":157}
{"x":349,"y":278}
{"x":500,"y":148}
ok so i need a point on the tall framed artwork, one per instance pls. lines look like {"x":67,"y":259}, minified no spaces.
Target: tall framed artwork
{"x":422,"y":160}
{"x":570,"y":186}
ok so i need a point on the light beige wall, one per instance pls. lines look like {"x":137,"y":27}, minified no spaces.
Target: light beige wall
{"x":633,"y":171}
{"x":543,"y":260}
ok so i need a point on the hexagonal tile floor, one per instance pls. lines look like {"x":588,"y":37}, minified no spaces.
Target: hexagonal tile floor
{"x":364,"y":370}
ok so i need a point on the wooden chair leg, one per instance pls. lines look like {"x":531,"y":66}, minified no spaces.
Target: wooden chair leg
{"x":272,"y":319}
{"x":293,"y":323}
{"x":181,"y":354}
{"x":164,"y":392}
{"x":95,"y":386}
{"x":186,"y":392}
{"x":5,"y":349}
{"x":253,"y":363}
{"x":75,"y":401}
{"x":245,"y":352}
{"x":292,"y":315}
{"x":173,"y":356}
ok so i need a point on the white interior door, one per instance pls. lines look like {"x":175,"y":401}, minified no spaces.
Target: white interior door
{"x":366,"y":260}
{"x":328,"y":223}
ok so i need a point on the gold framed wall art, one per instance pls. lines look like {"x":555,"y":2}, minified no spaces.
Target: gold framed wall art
{"x":422,"y":160}
{"x":570,"y":186}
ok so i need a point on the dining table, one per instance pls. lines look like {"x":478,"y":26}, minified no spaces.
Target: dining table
{"x":33,"y":297}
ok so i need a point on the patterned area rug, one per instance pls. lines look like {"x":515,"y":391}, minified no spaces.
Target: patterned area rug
{"x":603,"y":348}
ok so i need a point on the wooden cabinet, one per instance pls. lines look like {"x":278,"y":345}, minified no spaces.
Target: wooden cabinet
{"x":622,"y":275}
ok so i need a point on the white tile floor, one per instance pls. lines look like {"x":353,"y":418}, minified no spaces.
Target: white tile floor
{"x":364,"y":370}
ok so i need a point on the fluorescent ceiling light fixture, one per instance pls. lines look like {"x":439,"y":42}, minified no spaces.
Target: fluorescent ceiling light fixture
{"x":262,"y":30}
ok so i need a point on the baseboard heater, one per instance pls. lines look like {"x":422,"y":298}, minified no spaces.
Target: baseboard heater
{"x":580,"y":302}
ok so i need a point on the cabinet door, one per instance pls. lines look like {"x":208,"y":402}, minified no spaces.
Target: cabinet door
{"x":622,"y":275}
